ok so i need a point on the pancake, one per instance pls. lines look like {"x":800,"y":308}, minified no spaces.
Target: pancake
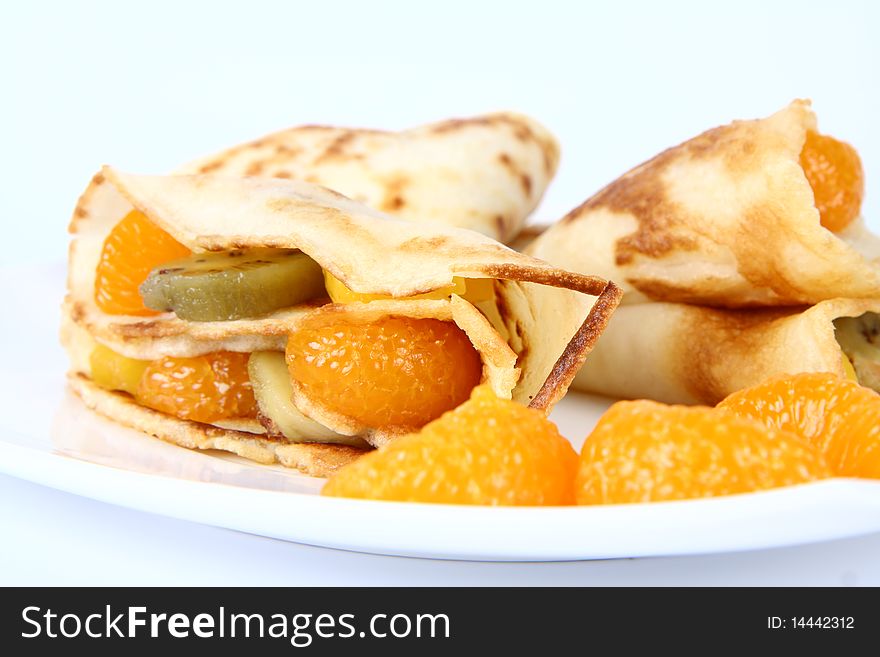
{"x":726,"y":219}
{"x":531,"y":337}
{"x":683,"y":354}
{"x":486,"y":173}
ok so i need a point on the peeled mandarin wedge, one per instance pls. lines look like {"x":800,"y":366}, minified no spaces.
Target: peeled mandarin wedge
{"x":834,"y":171}
{"x":395,"y":371}
{"x":839,"y":416}
{"x":643,"y":451}
{"x":487,"y":451}
{"x":202,"y":388}
{"x":134,"y":247}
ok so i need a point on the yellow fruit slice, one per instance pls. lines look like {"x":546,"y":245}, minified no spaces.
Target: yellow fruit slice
{"x":473,"y":290}
{"x":115,"y":371}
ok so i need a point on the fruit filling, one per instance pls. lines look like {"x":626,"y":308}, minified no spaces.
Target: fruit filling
{"x":143,"y":271}
{"x":839,"y":417}
{"x":205,"y":388}
{"x":132,"y":249}
{"x":487,"y":451}
{"x":834,"y":171}
{"x":642,"y":451}
{"x":394,"y":372}
{"x":474,"y":290}
{"x":859,"y":339}
{"x":228,"y":285}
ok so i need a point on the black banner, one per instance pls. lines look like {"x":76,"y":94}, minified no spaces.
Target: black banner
{"x":433,"y":621}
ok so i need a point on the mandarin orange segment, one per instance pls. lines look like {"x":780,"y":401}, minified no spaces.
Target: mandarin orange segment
{"x":205,"y":388}
{"x":396,"y":371}
{"x":644,"y":451}
{"x":834,"y":171}
{"x":839,"y":416}
{"x":487,"y":451}
{"x":134,"y":247}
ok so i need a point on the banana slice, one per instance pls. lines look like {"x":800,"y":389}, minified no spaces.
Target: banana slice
{"x":227,"y":285}
{"x":271,"y":381}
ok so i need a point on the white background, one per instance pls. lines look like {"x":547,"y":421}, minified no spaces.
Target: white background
{"x":147,"y":86}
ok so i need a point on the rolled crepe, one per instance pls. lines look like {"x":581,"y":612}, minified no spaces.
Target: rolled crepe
{"x":486,"y":173}
{"x":686,"y":354}
{"x":531,"y":338}
{"x":726,"y":219}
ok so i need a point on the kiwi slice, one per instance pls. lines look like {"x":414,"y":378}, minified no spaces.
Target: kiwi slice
{"x":226,"y":285}
{"x":270,"y":379}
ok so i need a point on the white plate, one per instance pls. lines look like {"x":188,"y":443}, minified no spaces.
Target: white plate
{"x":50,"y":438}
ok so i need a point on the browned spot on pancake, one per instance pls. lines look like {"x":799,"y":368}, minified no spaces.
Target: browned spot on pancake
{"x":211,"y":166}
{"x":770,"y":272}
{"x":155,"y":328}
{"x":642,"y":194}
{"x":720,"y":342}
{"x":255,"y":169}
{"x":524,"y":179}
{"x":80,"y":212}
{"x":550,"y":161}
{"x":500,"y":224}
{"x":98,"y":179}
{"x":289,"y":206}
{"x":523,"y":132}
{"x":394,"y":197}
{"x":282,"y":174}
{"x":732,"y":143}
{"x":77,"y":312}
{"x":395,"y":203}
{"x":338,"y":148}
{"x":703,"y":145}
{"x":424,"y":243}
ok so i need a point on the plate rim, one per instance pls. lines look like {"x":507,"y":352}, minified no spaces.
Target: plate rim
{"x":98,"y":481}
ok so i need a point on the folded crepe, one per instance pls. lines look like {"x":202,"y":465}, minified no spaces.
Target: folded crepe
{"x":685,"y":354}
{"x":735,"y":217}
{"x":531,"y":325}
{"x":486,"y":173}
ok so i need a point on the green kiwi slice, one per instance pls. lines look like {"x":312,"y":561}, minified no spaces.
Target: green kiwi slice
{"x":228,"y":285}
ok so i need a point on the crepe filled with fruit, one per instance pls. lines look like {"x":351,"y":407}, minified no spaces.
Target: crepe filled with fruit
{"x":755,"y":213}
{"x":486,"y":173}
{"x":285,"y":322}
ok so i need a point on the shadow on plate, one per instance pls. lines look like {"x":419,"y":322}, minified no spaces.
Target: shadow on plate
{"x":79,"y":433}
